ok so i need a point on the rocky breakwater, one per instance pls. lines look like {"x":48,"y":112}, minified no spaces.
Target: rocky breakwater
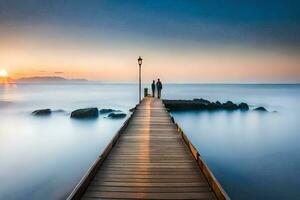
{"x":203,"y":104}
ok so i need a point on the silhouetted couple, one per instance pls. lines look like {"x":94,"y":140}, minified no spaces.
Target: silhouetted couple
{"x":156,"y":87}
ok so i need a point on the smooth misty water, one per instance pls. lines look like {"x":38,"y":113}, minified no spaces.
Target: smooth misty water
{"x":45,"y":157}
{"x":254,"y":155}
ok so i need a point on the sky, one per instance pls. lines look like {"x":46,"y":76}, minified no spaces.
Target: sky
{"x":181,"y":41}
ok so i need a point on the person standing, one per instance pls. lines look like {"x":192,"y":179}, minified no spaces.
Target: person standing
{"x":153,"y":88}
{"x":159,"y":88}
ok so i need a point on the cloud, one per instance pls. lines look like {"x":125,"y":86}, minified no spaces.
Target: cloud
{"x":58,"y":72}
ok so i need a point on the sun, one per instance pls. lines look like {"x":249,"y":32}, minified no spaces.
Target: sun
{"x":3,"y":73}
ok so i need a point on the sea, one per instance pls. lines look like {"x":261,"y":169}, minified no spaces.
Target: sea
{"x":254,"y":155}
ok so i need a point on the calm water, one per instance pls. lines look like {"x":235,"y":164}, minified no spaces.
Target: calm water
{"x":254,"y":155}
{"x":44,"y":158}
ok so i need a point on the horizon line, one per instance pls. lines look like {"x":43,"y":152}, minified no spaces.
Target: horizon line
{"x":83,"y":80}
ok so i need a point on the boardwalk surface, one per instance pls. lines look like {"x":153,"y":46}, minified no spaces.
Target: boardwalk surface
{"x":149,"y":161}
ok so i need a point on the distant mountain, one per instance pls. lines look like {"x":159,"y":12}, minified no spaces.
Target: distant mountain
{"x":41,"y":79}
{"x":77,"y":80}
{"x":36,"y":79}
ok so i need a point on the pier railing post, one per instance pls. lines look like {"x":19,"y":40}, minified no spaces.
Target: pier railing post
{"x":145,"y":92}
{"x":140,"y":87}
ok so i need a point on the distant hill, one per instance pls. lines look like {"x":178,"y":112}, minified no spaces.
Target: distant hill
{"x":39,"y":79}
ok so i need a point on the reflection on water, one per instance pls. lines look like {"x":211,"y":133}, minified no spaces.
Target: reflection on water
{"x":254,"y":155}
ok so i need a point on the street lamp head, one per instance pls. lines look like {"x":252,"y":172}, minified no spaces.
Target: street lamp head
{"x":140,"y":60}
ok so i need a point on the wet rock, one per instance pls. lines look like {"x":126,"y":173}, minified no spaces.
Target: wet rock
{"x":132,"y":109}
{"x":41,"y":112}
{"x":213,"y":106}
{"x":116,"y":115}
{"x":229,"y":105}
{"x":108,"y":110}
{"x":243,"y":106}
{"x":59,"y":111}
{"x":174,"y":105}
{"x":204,"y":101}
{"x":202,"y":104}
{"x":85,"y":113}
{"x":261,"y":109}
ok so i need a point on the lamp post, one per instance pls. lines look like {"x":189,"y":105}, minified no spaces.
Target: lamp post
{"x":140,"y":61}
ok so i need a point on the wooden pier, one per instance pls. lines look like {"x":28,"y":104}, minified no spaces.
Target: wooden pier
{"x":149,"y":158}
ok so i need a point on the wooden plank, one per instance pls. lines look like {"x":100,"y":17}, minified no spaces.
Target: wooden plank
{"x":157,"y":168}
{"x":150,"y":176}
{"x":150,"y":180}
{"x":127,"y":184}
{"x":136,"y":195}
{"x":149,"y":157}
{"x":149,"y":189}
{"x":149,"y":160}
{"x":150,"y":170}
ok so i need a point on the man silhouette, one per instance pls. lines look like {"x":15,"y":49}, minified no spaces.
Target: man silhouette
{"x":153,"y":88}
{"x":159,"y":88}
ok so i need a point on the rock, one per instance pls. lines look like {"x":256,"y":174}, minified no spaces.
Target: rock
{"x":204,"y":101}
{"x":116,"y":115}
{"x":41,"y":112}
{"x":261,"y":109}
{"x":132,"y":109}
{"x":174,"y":105}
{"x":243,"y":106}
{"x":85,"y":113}
{"x":108,"y":110}
{"x":202,"y":104}
{"x":229,"y":106}
{"x":213,"y":106}
{"x":59,"y":111}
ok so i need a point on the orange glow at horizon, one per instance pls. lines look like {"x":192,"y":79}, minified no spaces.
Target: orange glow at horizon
{"x":4,"y":79}
{"x":171,"y":64}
